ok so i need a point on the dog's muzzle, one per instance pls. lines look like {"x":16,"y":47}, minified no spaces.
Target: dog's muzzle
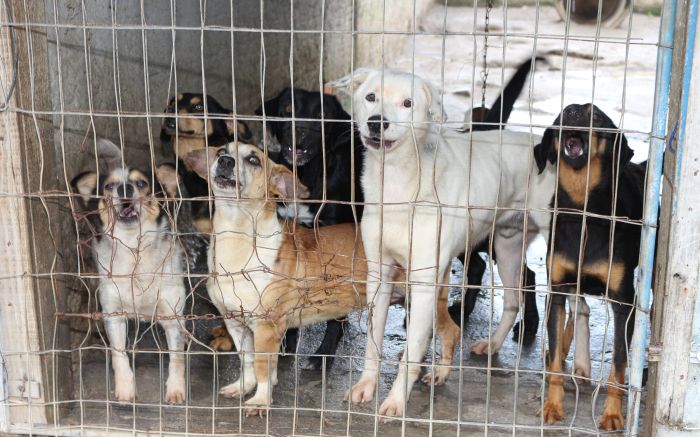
{"x":124,"y":206}
{"x":376,"y":126}
{"x":225,"y":175}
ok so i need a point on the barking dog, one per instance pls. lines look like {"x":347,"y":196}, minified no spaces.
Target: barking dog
{"x":267,"y":275}
{"x":188,"y":131}
{"x":411,"y":165}
{"x":597,"y":177}
{"x":139,"y":261}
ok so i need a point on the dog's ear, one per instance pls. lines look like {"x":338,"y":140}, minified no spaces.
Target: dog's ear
{"x":545,"y":151}
{"x":85,"y":184}
{"x":350,"y":83}
{"x":238,"y":126}
{"x":282,"y":184}
{"x":272,"y":105}
{"x":434,"y":104}
{"x":109,"y":155}
{"x":623,"y":150}
{"x":167,"y":176}
{"x":200,"y":160}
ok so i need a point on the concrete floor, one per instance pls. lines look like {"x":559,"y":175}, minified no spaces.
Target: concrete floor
{"x":505,"y":400}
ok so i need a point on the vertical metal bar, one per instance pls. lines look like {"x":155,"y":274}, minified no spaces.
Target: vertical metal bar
{"x":640,"y":338}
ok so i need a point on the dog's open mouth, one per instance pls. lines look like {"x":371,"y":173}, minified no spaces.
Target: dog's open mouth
{"x":224,"y":182}
{"x":377,"y":142}
{"x":127,"y":213}
{"x":573,"y":147}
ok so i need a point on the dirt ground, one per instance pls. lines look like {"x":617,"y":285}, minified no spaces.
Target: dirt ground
{"x":501,"y":395}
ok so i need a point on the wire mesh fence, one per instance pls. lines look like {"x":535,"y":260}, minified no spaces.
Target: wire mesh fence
{"x":199,"y":194}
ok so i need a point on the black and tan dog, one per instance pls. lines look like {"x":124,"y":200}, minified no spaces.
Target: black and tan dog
{"x":595,"y":177}
{"x":188,"y":129}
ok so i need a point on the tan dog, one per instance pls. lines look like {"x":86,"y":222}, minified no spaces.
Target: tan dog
{"x":267,"y":275}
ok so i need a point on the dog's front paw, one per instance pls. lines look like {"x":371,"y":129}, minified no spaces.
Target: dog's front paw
{"x":237,"y":390}
{"x":257,"y":405}
{"x":124,"y":390}
{"x":363,"y":391}
{"x":612,"y":415}
{"x":175,"y":392}
{"x":391,"y":407}
{"x":481,"y":347}
{"x":438,"y":377}
{"x":553,"y":412}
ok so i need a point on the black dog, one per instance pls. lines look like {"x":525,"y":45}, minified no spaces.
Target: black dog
{"x":320,"y":144}
{"x":190,"y":131}
{"x":595,"y":176}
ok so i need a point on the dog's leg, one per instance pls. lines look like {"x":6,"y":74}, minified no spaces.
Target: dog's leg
{"x":115,"y":326}
{"x":580,"y":312}
{"x":267,"y":338}
{"x":328,"y":347}
{"x":624,"y":327}
{"x":420,"y":326}
{"x":475,"y":267}
{"x":449,"y":333}
{"x":510,"y":269}
{"x":530,"y":319}
{"x":554,"y":404}
{"x":243,"y":339}
{"x":378,"y":300}
{"x":175,"y":391}
{"x":221,"y":340}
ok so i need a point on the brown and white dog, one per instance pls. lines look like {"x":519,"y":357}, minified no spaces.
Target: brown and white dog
{"x":267,"y":275}
{"x":139,"y":260}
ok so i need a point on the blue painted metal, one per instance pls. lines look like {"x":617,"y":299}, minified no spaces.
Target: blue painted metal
{"x":651,"y":213}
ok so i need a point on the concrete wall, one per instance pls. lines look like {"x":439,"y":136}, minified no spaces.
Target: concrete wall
{"x":130,"y":71}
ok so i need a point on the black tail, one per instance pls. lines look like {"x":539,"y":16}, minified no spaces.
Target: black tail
{"x":508,"y":96}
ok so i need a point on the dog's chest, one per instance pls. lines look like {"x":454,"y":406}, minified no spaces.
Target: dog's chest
{"x":243,"y":268}
{"x":138,"y":272}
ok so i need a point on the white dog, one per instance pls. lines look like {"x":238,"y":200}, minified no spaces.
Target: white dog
{"x":139,"y":259}
{"x":418,"y":181}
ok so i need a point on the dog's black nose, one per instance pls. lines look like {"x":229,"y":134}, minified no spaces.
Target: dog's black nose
{"x":169,"y":123}
{"x":375,"y":124}
{"x":226,"y":164}
{"x":125,"y":191}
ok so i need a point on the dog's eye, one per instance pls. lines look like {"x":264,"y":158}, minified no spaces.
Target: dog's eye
{"x":198,"y":107}
{"x":407,"y":103}
{"x":254,"y":160}
{"x":141,"y":184}
{"x":370,"y":97}
{"x":288,"y":108}
{"x":109,"y":186}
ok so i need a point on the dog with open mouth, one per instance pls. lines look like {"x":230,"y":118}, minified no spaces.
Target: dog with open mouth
{"x":418,"y":216}
{"x":268,"y":274}
{"x":194,"y":121}
{"x":597,"y":185}
{"x":139,"y":261}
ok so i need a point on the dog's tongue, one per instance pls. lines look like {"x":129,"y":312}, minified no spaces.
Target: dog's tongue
{"x":574,"y":147}
{"x":128,"y":211}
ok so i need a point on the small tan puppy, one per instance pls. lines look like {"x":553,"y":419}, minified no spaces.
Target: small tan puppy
{"x":267,"y":275}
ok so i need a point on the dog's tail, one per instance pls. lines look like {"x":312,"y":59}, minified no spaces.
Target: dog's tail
{"x":494,"y":117}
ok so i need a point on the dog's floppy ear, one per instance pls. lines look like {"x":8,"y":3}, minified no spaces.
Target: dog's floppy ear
{"x":238,"y":126}
{"x":167,"y":176}
{"x":85,"y":184}
{"x":434,"y":105}
{"x":109,"y":155}
{"x":623,"y":149}
{"x":272,"y":105}
{"x":282,"y":184}
{"x":545,"y":151}
{"x":200,"y":160}
{"x":350,"y":83}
